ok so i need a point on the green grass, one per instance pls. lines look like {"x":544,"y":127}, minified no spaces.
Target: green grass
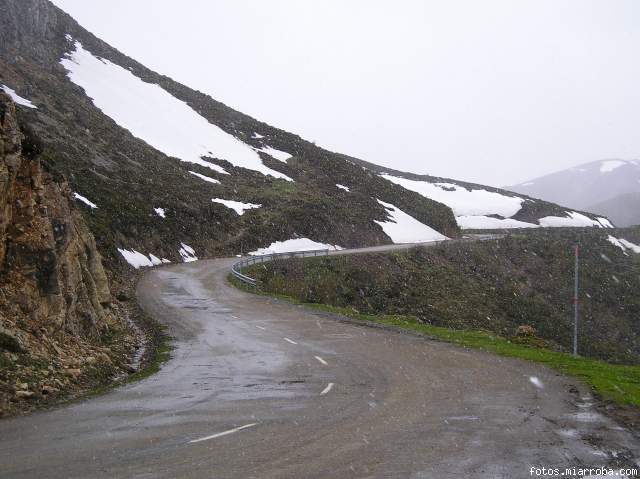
{"x":618,"y":383}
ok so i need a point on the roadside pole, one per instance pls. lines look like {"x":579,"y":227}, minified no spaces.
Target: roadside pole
{"x":575,"y":302}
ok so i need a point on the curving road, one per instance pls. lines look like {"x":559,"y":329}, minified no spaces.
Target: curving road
{"x":262,"y":389}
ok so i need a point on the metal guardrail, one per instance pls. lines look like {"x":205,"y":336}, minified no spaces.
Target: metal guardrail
{"x":236,"y":269}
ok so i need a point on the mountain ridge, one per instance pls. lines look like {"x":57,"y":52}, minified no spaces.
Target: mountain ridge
{"x":128,"y":179}
{"x":588,"y":185}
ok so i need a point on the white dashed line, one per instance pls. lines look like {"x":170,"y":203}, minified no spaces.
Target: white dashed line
{"x":224,"y":433}
{"x":327,"y":389}
{"x":289,"y":340}
{"x":536,"y":382}
{"x":321,"y":360}
{"x":234,"y":317}
{"x":260,"y":327}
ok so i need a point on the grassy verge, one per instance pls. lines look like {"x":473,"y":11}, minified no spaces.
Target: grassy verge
{"x":617,"y":383}
{"x":161,"y":354}
{"x":158,"y":352}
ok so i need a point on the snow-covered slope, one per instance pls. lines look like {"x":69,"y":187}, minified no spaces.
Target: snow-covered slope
{"x":402,"y":228}
{"x":624,"y":244}
{"x":157,"y":117}
{"x":479,"y":208}
{"x":589,"y":185}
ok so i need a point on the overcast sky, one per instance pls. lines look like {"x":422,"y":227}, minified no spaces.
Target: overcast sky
{"x":496,"y":92}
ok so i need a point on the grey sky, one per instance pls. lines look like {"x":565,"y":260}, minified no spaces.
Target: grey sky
{"x":496,"y":92}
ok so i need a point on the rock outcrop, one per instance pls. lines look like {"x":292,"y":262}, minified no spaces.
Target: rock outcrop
{"x":55,"y":305}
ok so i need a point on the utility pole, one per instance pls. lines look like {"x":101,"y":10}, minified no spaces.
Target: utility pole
{"x":575,"y":302}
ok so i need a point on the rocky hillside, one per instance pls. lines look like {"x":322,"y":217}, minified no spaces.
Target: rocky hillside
{"x":148,"y":155}
{"x":58,"y":323}
{"x":524,"y":279}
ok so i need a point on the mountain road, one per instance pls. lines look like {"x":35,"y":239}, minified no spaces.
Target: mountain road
{"x":259,"y":388}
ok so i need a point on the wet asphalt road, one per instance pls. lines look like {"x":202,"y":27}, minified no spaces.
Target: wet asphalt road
{"x":299,"y":395}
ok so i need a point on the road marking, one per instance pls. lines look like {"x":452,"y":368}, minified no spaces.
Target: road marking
{"x":289,"y":340}
{"x":260,"y":327}
{"x":234,"y":317}
{"x":536,"y":382}
{"x":224,"y":433}
{"x":321,"y":360}
{"x":327,"y":389}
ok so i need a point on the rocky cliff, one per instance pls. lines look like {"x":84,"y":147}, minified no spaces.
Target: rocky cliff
{"x":57,"y":318}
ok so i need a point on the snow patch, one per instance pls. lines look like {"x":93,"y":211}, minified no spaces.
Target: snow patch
{"x":402,"y":228}
{"x":342,"y":187}
{"x":291,"y":245}
{"x":490,"y":223}
{"x":575,"y":220}
{"x":187,"y":253}
{"x":139,"y":260}
{"x":623,"y":244}
{"x":152,"y":114}
{"x":629,"y":245}
{"x":608,"y":166}
{"x":462,"y":201}
{"x":605,"y":223}
{"x":277,"y":154}
{"x":160,"y":212}
{"x":236,"y":206}
{"x":84,"y":200}
{"x":616,"y":242}
{"x":155,"y":260}
{"x":257,"y":135}
{"x":18,"y":100}
{"x":205,"y":178}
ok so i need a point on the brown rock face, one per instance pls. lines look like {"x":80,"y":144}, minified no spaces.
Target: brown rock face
{"x":55,"y":304}
{"x":50,"y":267}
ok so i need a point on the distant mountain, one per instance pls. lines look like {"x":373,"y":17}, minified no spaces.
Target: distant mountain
{"x":623,"y":210}
{"x":610,"y":186}
{"x":162,"y":172}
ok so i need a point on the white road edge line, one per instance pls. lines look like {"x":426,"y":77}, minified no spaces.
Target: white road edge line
{"x":321,"y":360}
{"x":260,"y":327}
{"x":224,"y":433}
{"x":327,"y":389}
{"x":290,"y":340}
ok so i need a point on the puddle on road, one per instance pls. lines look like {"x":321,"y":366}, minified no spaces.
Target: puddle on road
{"x":586,"y":416}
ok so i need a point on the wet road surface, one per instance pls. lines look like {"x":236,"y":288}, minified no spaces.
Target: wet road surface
{"x":262,"y":389}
